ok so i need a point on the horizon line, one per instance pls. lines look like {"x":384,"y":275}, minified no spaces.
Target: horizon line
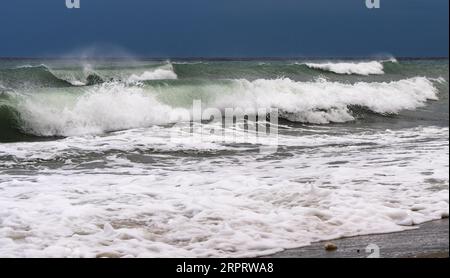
{"x":222,"y":58}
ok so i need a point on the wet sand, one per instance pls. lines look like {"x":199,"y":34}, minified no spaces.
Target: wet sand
{"x":430,"y":240}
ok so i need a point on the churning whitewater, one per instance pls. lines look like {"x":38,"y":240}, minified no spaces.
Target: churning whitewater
{"x":95,"y":160}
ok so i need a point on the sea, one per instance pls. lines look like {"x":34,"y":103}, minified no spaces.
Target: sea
{"x":102,"y":157}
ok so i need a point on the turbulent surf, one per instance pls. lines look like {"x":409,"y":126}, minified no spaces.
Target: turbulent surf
{"x":362,"y":147}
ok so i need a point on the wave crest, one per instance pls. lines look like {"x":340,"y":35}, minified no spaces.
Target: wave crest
{"x":116,"y":106}
{"x":31,"y":76}
{"x":359,"y":68}
{"x":322,"y":102}
{"x":157,"y":74}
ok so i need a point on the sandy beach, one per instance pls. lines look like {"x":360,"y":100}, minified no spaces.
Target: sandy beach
{"x":430,"y":240}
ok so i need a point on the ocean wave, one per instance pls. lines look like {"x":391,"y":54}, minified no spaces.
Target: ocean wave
{"x":322,"y":102}
{"x":156,"y":74}
{"x":31,"y":76}
{"x":104,"y":108}
{"x":299,"y":70}
{"x":189,"y":63}
{"x":359,"y":68}
{"x":440,"y":80}
{"x":117,"y":106}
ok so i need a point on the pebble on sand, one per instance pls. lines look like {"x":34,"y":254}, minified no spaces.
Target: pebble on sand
{"x":330,"y":246}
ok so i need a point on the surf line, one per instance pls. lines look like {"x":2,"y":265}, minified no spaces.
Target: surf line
{"x":73,"y":4}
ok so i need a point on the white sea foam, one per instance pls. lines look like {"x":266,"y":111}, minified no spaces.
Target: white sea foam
{"x":339,"y":185}
{"x":190,"y":63}
{"x":165,"y":72}
{"x":440,"y":80}
{"x":78,"y":78}
{"x":360,"y":68}
{"x":324,"y":102}
{"x":109,"y":107}
{"x":28,"y":66}
{"x":116,"y":106}
{"x":76,"y":83}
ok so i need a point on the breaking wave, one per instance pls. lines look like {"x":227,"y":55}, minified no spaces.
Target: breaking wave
{"x":157,"y":74}
{"x":117,"y":106}
{"x":358,"y":68}
{"x":29,"y":76}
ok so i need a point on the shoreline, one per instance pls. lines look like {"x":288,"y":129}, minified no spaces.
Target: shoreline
{"x":430,"y":240}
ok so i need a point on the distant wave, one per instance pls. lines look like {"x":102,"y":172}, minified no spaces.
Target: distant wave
{"x":117,"y":106}
{"x":359,"y":68}
{"x":294,"y":70}
{"x":29,"y":76}
{"x":190,"y":63}
{"x":166,"y":72}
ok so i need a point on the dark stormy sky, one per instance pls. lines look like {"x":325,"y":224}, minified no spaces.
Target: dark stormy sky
{"x":225,"y":28}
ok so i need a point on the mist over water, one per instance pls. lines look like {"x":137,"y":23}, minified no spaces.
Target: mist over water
{"x":362,"y":148}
